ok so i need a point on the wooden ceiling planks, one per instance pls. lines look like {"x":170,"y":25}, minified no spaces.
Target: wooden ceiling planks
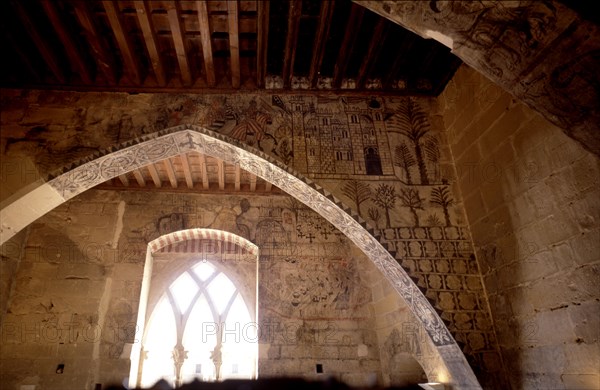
{"x":195,"y":46}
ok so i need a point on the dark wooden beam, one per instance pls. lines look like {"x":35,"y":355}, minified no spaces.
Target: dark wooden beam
{"x":25,"y":59}
{"x":262,"y":43}
{"x":352,"y":29}
{"x":99,"y":52}
{"x":66,"y":39}
{"x":203,"y":19}
{"x":147,"y":26}
{"x":42,"y":46}
{"x":401,"y":58}
{"x":178,"y":40}
{"x":234,"y":42}
{"x":294,"y":13}
{"x":319,"y":45}
{"x":114,"y":18}
{"x":377,"y":40}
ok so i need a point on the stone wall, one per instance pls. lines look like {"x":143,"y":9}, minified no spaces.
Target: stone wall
{"x":532,"y":200}
{"x":77,"y":289}
{"x":385,"y":158}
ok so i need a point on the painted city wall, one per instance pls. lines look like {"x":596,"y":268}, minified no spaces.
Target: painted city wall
{"x":385,"y":157}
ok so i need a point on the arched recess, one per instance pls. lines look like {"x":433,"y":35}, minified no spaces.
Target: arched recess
{"x":191,"y":138}
{"x":146,"y":306}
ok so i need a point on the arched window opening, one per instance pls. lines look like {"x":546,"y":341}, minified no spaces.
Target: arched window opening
{"x":200,"y":328}
{"x":373,"y":162}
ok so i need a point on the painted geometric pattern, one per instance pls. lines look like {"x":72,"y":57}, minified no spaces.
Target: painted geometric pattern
{"x":442,"y":262}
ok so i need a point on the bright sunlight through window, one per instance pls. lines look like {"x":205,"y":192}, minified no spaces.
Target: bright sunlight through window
{"x":201,"y":328}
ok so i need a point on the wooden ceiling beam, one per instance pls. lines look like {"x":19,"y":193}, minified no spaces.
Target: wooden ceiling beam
{"x":291,"y":41}
{"x":204,"y":172}
{"x":123,"y":40}
{"x":170,"y":172}
{"x":124,"y":180}
{"x":377,"y":40}
{"x":147,"y":26}
{"x":262,"y":43}
{"x":139,"y":178}
{"x":320,"y":42}
{"x":187,"y":172}
{"x":178,"y":39}
{"x":46,"y":52}
{"x":238,"y":177}
{"x":25,"y":59}
{"x":65,"y":37}
{"x":221,"y":173}
{"x":234,"y":42}
{"x":352,"y":31}
{"x":154,"y":175}
{"x":99,"y":52}
{"x":401,"y":58}
{"x":205,"y":36}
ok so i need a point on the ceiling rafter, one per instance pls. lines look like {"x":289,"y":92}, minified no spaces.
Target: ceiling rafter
{"x":187,"y":172}
{"x":352,"y":32}
{"x":66,"y":39}
{"x":179,"y":42}
{"x":154,"y":175}
{"x":147,"y":26}
{"x":124,"y":180}
{"x":205,"y":36}
{"x":401,"y":58}
{"x":234,"y":42}
{"x":104,"y":60}
{"x":294,"y":13}
{"x":170,"y":172}
{"x":40,"y":43}
{"x":114,"y":18}
{"x":262,"y":42}
{"x":139,"y":177}
{"x":379,"y":36}
{"x":204,"y":172}
{"x":238,"y":177}
{"x":319,"y":45}
{"x":192,"y":46}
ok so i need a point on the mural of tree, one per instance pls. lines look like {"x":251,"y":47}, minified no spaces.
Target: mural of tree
{"x":433,"y":220}
{"x":441,"y":196}
{"x":358,"y":191}
{"x":413,"y":123}
{"x":374,"y":215}
{"x":410,"y":198}
{"x":432,"y":151}
{"x":404,"y":159}
{"x":385,"y":197}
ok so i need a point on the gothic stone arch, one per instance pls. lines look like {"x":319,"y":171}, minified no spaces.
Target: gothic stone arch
{"x":191,"y":138}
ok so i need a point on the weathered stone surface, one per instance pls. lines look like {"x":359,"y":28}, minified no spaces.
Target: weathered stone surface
{"x":536,"y":234}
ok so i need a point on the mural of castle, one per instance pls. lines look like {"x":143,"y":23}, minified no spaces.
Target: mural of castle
{"x":338,"y":136}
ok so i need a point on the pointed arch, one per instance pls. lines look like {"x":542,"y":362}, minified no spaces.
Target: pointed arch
{"x":191,"y":138}
{"x":147,"y":306}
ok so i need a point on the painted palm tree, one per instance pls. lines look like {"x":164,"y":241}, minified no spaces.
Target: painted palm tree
{"x":404,"y":159}
{"x":412,"y":122}
{"x":441,"y":196}
{"x":358,"y":191}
